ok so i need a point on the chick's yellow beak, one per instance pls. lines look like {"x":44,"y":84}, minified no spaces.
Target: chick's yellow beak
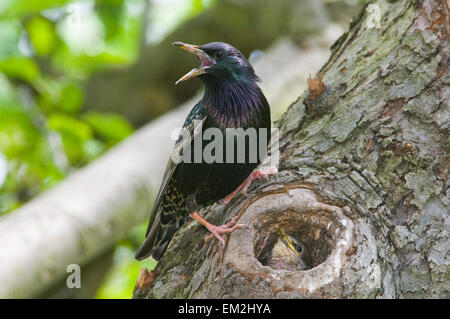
{"x":287,"y":241}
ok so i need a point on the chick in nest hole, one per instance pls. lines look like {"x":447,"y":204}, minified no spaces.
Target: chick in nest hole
{"x":289,"y":253}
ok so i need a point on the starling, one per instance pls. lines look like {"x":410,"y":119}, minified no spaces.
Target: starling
{"x":289,"y":253}
{"x":232,"y":99}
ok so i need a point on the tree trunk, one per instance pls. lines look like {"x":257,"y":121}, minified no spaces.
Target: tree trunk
{"x":363,"y":177}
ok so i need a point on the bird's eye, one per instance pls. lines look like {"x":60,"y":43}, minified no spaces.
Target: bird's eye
{"x":298,"y":247}
{"x":219,"y":54}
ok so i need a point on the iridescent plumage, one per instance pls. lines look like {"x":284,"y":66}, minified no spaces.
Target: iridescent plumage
{"x":232,"y":99}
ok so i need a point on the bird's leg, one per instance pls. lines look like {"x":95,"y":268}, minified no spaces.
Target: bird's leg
{"x":217,"y":230}
{"x":257,"y":173}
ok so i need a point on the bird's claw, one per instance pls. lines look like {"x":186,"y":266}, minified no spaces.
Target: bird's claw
{"x":217,"y":230}
{"x":257,"y":173}
{"x":223,"y":229}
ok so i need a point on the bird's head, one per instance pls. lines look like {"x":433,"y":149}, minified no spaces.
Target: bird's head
{"x":219,"y":61}
{"x":289,"y":253}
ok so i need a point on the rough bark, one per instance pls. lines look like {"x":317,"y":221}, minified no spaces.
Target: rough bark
{"x":363,"y":178}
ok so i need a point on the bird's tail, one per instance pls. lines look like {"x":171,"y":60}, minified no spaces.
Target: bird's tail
{"x":156,"y":242}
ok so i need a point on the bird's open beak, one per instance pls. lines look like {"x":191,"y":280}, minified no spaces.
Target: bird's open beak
{"x":287,"y":241}
{"x":205,"y":60}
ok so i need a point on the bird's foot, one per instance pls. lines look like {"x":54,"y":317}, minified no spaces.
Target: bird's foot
{"x":257,"y":173}
{"x":217,"y":230}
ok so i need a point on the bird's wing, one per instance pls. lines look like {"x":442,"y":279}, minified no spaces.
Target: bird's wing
{"x":191,"y":127}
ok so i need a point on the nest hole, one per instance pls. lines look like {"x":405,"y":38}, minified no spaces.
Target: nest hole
{"x":315,"y":232}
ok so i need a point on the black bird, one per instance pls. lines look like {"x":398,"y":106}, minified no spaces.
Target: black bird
{"x":232,"y":99}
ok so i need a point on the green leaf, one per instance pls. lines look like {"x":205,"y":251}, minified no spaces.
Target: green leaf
{"x":20,"y":67}
{"x":59,"y":95}
{"x":17,"y":132}
{"x":109,"y":126}
{"x":71,"y":99}
{"x":110,"y":13}
{"x":93,"y":149}
{"x":17,"y":8}
{"x":7,"y":92}
{"x":42,"y":35}
{"x":74,"y":134}
{"x":70,"y":126}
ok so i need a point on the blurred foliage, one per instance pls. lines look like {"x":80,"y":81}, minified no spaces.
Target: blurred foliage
{"x":49,"y":48}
